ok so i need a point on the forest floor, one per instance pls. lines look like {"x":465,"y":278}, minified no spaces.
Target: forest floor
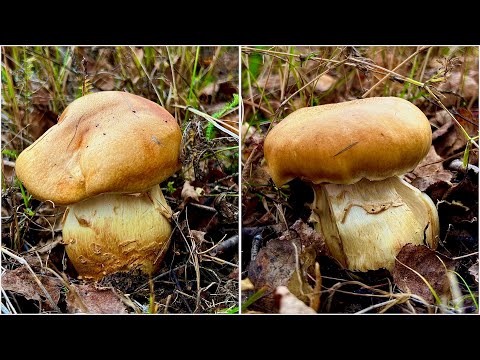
{"x":199,"y":273}
{"x":280,"y":277}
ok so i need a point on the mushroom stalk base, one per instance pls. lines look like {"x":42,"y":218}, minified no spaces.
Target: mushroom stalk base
{"x":117,"y":232}
{"x":366,"y":224}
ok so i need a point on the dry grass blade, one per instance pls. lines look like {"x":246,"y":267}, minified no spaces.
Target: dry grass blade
{"x":230,"y":130}
{"x":387,"y":304}
{"x":395,"y":69}
{"x":329,"y":68}
{"x":147,"y":75}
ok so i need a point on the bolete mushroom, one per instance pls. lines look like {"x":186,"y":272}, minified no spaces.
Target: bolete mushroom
{"x":353,"y":153}
{"x":105,"y":159}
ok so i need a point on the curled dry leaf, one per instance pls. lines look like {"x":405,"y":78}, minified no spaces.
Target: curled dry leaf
{"x":228,"y":212}
{"x":285,"y":261}
{"x":21,"y":281}
{"x":189,"y":192}
{"x":96,"y":301}
{"x":449,"y":139}
{"x":430,"y":171}
{"x":290,"y":304}
{"x":432,"y":266}
{"x":198,"y":236}
{"x":458,"y":211}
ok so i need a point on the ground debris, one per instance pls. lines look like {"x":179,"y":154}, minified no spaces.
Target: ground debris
{"x":309,"y":237}
{"x":189,"y":192}
{"x":430,"y":171}
{"x":448,"y":138}
{"x":88,"y":298}
{"x":432,"y":266}
{"x":458,"y":213}
{"x":285,"y":261}
{"x":290,"y":304}
{"x":22,"y":282}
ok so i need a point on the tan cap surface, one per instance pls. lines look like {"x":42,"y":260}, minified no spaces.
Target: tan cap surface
{"x":342,"y":143}
{"x":104,"y":142}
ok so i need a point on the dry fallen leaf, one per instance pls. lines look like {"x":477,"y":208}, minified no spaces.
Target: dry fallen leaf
{"x":448,"y":139}
{"x":428,"y":264}
{"x":285,"y":261}
{"x":430,"y":171}
{"x":198,"y":236}
{"x":189,"y":192}
{"x":458,"y":211}
{"x":274,"y":264}
{"x":309,"y":237}
{"x":246,"y":285}
{"x":104,"y":80}
{"x":21,"y":281}
{"x":40,"y":95}
{"x":96,"y":301}
{"x":269,"y":83}
{"x":290,"y":304}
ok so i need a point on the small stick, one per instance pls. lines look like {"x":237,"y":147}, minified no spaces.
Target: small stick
{"x":225,"y":245}
{"x":220,"y":261}
{"x":167,"y":303}
{"x":464,"y":256}
{"x":148,"y":76}
{"x":203,"y":207}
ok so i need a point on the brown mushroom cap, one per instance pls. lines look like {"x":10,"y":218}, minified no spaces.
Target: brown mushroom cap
{"x":342,"y":143}
{"x":106,"y":142}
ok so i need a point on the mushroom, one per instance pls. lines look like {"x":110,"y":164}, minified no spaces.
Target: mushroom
{"x":353,"y":153}
{"x":105,"y":159}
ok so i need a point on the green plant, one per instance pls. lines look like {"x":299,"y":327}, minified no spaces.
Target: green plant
{"x":170,"y":188}
{"x":210,"y":129}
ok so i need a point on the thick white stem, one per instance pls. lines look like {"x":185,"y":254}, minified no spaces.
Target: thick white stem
{"x":366,"y":224}
{"x":117,"y":232}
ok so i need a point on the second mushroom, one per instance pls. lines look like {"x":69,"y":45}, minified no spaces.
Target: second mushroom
{"x":354,"y":154}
